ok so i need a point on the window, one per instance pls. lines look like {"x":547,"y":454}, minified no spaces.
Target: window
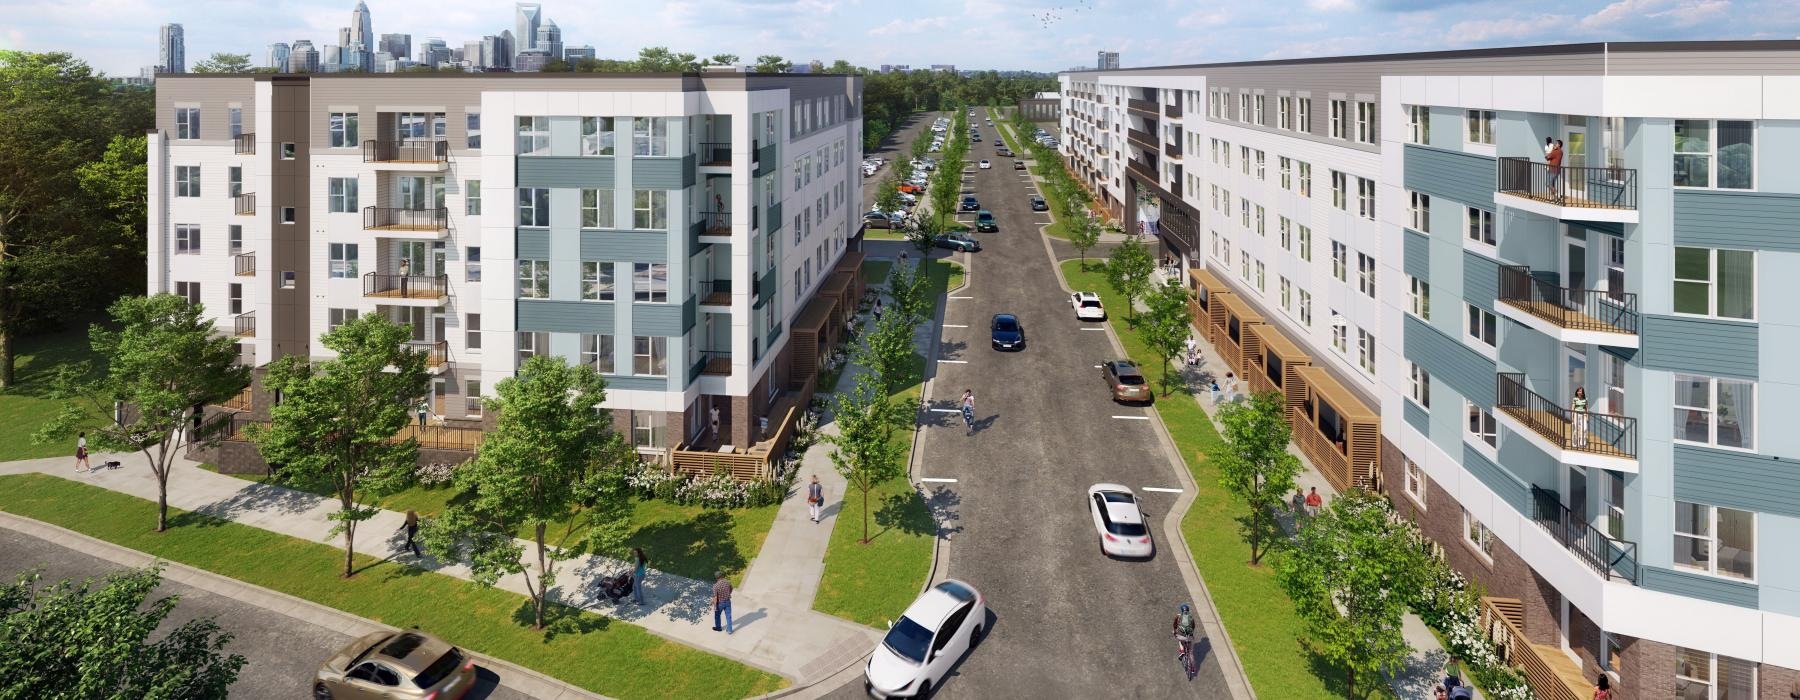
{"x":1716,"y":283}
{"x":1419,"y":293}
{"x":342,"y":194}
{"x":647,"y":429}
{"x":1259,"y":277}
{"x":287,"y":151}
{"x":234,"y":120}
{"x":1715,"y":540}
{"x":234,"y":181}
{"x":1481,"y":126}
{"x":1339,"y":333}
{"x":1225,"y":149}
{"x":1478,"y":536}
{"x":597,"y":208}
{"x":189,"y":291}
{"x":1481,"y":424}
{"x":474,"y":139}
{"x":343,"y":261}
{"x":1306,"y":308}
{"x":596,"y":136}
{"x":1244,"y":211}
{"x":1340,"y":190}
{"x":1259,"y":102}
{"x":650,"y":282}
{"x":472,"y":397}
{"x":187,"y":180}
{"x":1421,"y":385}
{"x":1481,"y":226}
{"x":650,"y":136}
{"x":1284,"y":117}
{"x":534,"y":136}
{"x":1306,"y":243}
{"x":597,"y":281}
{"x":650,"y":356}
{"x":187,"y":239}
{"x":597,"y":352}
{"x":1305,"y":179}
{"x":1285,"y":230}
{"x":1715,"y":411}
{"x":1365,"y":346}
{"x":342,"y":129}
{"x":1261,"y":173}
{"x":287,"y":215}
{"x":1244,"y":265}
{"x":287,"y":279}
{"x":650,"y":209}
{"x":1414,"y":482}
{"x":1340,"y":261}
{"x":1303,"y":114}
{"x":234,"y":298}
{"x":472,"y":197}
{"x":1365,"y":198}
{"x":187,"y":123}
{"x":1285,"y":166}
{"x":234,"y":239}
{"x":1244,"y":158}
{"x":534,"y":206}
{"x":1287,"y":294}
{"x":534,"y":279}
{"x":1340,"y":119}
{"x":532,"y":344}
{"x":1483,"y":326}
{"x":1227,"y":199}
{"x":1243,"y":114}
{"x":1365,"y":274}
{"x":472,"y":331}
{"x":1365,"y":122}
{"x":338,"y":317}
{"x":1718,"y":154}
{"x":472,"y":263}
{"x":1418,"y":118}
{"x":1420,"y":209}
{"x":1703,"y":676}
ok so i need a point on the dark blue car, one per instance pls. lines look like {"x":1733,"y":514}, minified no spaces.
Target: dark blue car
{"x":1008,"y":333}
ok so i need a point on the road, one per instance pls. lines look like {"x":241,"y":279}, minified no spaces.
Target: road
{"x":283,"y":652}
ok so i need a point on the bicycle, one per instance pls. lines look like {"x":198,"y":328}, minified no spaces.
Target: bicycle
{"x":1190,"y":663}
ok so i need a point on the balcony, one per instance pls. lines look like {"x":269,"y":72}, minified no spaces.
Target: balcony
{"x":1575,"y":194}
{"x":714,"y":363}
{"x":1569,"y":315}
{"x":243,"y":265}
{"x":755,"y":461}
{"x":1609,"y":557}
{"x":1142,"y":106}
{"x":244,"y":144}
{"x":244,"y":204}
{"x":715,"y":293}
{"x":402,"y":220}
{"x":1583,"y":438}
{"x":1143,"y":139}
{"x":1143,"y":170}
{"x":717,"y":223}
{"x":1172,"y":150}
{"x":1172,"y":111}
{"x":715,"y":153}
{"x":437,"y":352}
{"x":1551,"y":674}
{"x":431,"y":288}
{"x":244,"y":325}
{"x":431,"y":153}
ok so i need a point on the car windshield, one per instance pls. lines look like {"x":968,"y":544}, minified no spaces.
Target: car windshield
{"x":1125,"y":529}
{"x":439,"y":669}
{"x":908,"y":640}
{"x":1130,"y":378}
{"x":1091,"y":303}
{"x":1005,"y":324}
{"x":1116,"y":497}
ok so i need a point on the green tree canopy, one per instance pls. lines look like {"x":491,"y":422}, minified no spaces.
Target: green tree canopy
{"x":659,"y":59}
{"x":1128,"y":272}
{"x":723,"y":59}
{"x":225,"y":63}
{"x":770,"y":63}
{"x":867,"y":455}
{"x":1164,"y":325}
{"x":1255,"y":465}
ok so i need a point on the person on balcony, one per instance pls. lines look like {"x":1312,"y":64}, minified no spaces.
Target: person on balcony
{"x":1578,"y":414}
{"x":405,"y":270}
{"x":1554,"y":160}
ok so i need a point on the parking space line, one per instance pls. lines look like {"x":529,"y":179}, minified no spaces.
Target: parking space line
{"x":964,"y":362}
{"x":954,"y":325}
{"x":936,"y":481}
{"x":1161,"y":490}
{"x":945,"y":410}
{"x":1118,"y":417}
{"x":962,"y":297}
{"x":1102,"y":330}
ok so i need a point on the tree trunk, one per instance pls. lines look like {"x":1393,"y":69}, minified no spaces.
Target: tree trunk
{"x":1350,"y":684}
{"x":865,"y":505}
{"x":162,"y":508}
{"x":349,"y":541}
{"x":543,"y":574}
{"x":1255,"y":533}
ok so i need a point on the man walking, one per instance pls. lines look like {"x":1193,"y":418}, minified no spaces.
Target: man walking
{"x":424,"y":412}
{"x":1313,"y":502}
{"x":714,"y":414}
{"x":815,"y":497}
{"x":722,"y":602}
{"x":412,"y":532}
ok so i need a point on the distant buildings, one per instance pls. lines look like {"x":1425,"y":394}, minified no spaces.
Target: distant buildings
{"x":397,"y":46}
{"x":527,"y":16}
{"x":172,"y":53}
{"x":895,"y":68}
{"x":530,"y":60}
{"x":1109,"y":60}
{"x":576,"y":53}
{"x":278,"y":56}
{"x":303,"y":58}
{"x":945,"y":67}
{"x":433,"y":52}
{"x":549,"y":41}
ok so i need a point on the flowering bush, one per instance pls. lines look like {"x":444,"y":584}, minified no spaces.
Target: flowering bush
{"x":716,"y":490}
{"x":805,"y":433}
{"x":435,"y":473}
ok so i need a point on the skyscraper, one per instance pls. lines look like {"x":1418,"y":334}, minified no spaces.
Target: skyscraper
{"x":526,"y":30}
{"x":278,"y":56}
{"x":576,"y":53}
{"x":331,"y":58}
{"x":397,"y":45}
{"x":303,"y":58}
{"x":173,"y":52}
{"x":474,"y":53}
{"x":362,"y":31}
{"x":433,"y":51}
{"x":549,"y":40}
{"x":1109,"y":60}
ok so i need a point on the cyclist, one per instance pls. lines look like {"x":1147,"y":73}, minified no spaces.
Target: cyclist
{"x":1184,"y":632}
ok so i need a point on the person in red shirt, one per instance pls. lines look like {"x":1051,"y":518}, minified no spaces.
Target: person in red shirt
{"x":1554,"y":159}
{"x":1314,"y":502}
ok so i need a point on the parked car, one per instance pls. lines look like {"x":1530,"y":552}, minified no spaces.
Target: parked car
{"x":877,"y":219}
{"x":1002,"y":151}
{"x":1018,"y":165}
{"x":406,"y":664}
{"x":969,"y":203}
{"x":1038,"y":204}
{"x":1126,"y":382}
{"x":1007,"y":332}
{"x":1087,"y":306}
{"x":1119,"y":521}
{"x":926,"y":642}
{"x":910,"y":188}
{"x":984,"y":164}
{"x":985,"y":223}
{"x":958,"y":242}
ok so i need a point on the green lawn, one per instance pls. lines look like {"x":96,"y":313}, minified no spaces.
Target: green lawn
{"x":26,"y":405}
{"x":1256,"y":612}
{"x":587,"y":650}
{"x":875,"y":272}
{"x":884,"y":234}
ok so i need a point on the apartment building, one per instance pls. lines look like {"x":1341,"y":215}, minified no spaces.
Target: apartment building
{"x":669,"y":230}
{"x":1556,"y":371}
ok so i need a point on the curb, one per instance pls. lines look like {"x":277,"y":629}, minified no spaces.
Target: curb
{"x":522,"y":679}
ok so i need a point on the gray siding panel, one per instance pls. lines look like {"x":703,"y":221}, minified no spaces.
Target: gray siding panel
{"x":662,"y":173}
{"x":577,"y":172}
{"x":1418,"y":255}
{"x":639,"y":383}
{"x":1463,"y":177}
{"x":552,"y":316}
{"x":625,"y":246}
{"x":533,"y":244}
{"x":1481,"y":280}
{"x":1703,"y":345}
{"x":1753,"y":220}
{"x":1718,"y":590}
{"x":1738,"y":480}
{"x":1502,"y":482}
{"x":1418,"y":418}
{"x":1467,"y":372}
{"x":657,"y":319}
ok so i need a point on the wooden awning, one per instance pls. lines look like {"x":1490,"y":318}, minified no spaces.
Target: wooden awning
{"x":836,"y":283}
{"x":1238,"y":307}
{"x":1205,"y":279}
{"x":1278,"y":344}
{"x":852,"y":261}
{"x":812,"y":319}
{"x":1341,"y":399}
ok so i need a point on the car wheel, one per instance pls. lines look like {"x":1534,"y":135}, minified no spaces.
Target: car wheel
{"x":924,"y":690}
{"x":320,"y":692}
{"x":975,"y":637}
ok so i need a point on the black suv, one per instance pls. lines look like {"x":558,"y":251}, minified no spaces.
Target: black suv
{"x":970,"y":203}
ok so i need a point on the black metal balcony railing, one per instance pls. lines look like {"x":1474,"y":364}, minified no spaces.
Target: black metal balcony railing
{"x":243,"y":264}
{"x":1609,"y":557}
{"x":398,"y":219}
{"x":715,"y":292}
{"x":1574,"y":309}
{"x":1137,"y":105}
{"x":718,"y":223}
{"x":244,"y":144}
{"x":1589,"y":188}
{"x":244,"y":325}
{"x":436,"y":351}
{"x":376,"y":284}
{"x":244,"y":204}
{"x":714,"y":362}
{"x":715,"y":153}
{"x":407,"y":151}
{"x":1583,"y":431}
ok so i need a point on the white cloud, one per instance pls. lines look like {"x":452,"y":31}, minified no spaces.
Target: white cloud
{"x":907,"y":25}
{"x":1488,"y":31}
{"x":1203,"y":19}
{"x":1331,"y":5}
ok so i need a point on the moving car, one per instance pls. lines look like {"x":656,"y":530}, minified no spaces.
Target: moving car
{"x":1087,"y":306}
{"x":1007,"y":333}
{"x":984,"y":165}
{"x":1038,"y":204}
{"x":1126,"y":382}
{"x":958,"y":242}
{"x":985,"y":223}
{"x":928,"y":639}
{"x":969,"y":203}
{"x":1002,"y":151}
{"x":1119,"y":521}
{"x":877,"y":219}
{"x":1018,"y":165}
{"x":405,"y":664}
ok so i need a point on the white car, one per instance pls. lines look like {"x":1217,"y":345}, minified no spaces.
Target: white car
{"x":1087,"y":306}
{"x":1120,"y":523}
{"x":927,"y":640}
{"x":985,"y":165}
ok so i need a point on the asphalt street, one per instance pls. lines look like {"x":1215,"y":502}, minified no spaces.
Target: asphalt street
{"x":1066,"y":620}
{"x":283,"y":652}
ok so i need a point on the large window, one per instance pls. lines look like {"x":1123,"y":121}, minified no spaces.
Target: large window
{"x":650,"y":282}
{"x":534,"y":206}
{"x":474,"y":135}
{"x":597,"y":208}
{"x":650,"y":136}
{"x":1303,"y":113}
{"x":342,"y":129}
{"x":1703,"y":676}
{"x":534,"y":279}
{"x":532,"y":344}
{"x":187,"y":239}
{"x":1420,"y":209}
{"x":1340,"y":119}
{"x":597,"y":281}
{"x":1481,"y":226}
{"x":1305,"y":179}
{"x":534,"y":136}
{"x":1365,"y":122}
{"x":1415,"y":482}
{"x":1365,"y":346}
{"x":1365,"y":198}
{"x":338,"y":317}
{"x":647,"y":429}
{"x":1305,"y":243}
{"x":650,"y":209}
{"x":1365,"y":274}
{"x":1418,"y":119}
{"x":187,"y":180}
{"x":342,"y":196}
{"x":1421,"y":386}
{"x":472,"y":331}
{"x":234,"y":181}
{"x":1478,"y":536}
{"x":1340,"y":190}
{"x":1481,"y":126}
{"x":1718,"y":154}
{"x":1419,"y":296}
{"x":1305,"y":305}
{"x":1717,"y":283}
{"x":1340,"y":261}
{"x":597,"y":352}
{"x":650,"y":355}
{"x":472,"y":197}
{"x":343,"y":261}
{"x":187,"y":123}
{"x":1285,"y":166}
{"x":1715,"y":411}
{"x":596,"y":136}
{"x":1483,"y":326}
{"x":1284,"y":114}
{"x":1481,"y":425}
{"x":1715,"y":540}
{"x":472,"y":263}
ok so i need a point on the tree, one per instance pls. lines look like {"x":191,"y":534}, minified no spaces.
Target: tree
{"x":336,"y":423}
{"x":551,"y":460}
{"x":887,"y":195}
{"x":556,"y":65}
{"x":225,"y":63}
{"x":921,"y":147}
{"x":1084,"y":234}
{"x":887,"y":351}
{"x":91,"y":640}
{"x":1128,"y":272}
{"x":925,"y":234}
{"x":723,"y":59}
{"x":842,"y":67}
{"x":163,"y":365}
{"x":1351,"y":574}
{"x":118,"y":184}
{"x":658,"y":59}
{"x":911,"y":289}
{"x":867,"y":455}
{"x":770,"y":63}
{"x":1255,"y":465}
{"x":1164,"y":325}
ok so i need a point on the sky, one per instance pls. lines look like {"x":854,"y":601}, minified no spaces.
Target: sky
{"x":119,"y":36}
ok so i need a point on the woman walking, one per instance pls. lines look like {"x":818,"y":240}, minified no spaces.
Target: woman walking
{"x":637,"y":574}
{"x":81,"y":458}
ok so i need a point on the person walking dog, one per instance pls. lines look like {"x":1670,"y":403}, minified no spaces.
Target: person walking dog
{"x":81,"y":458}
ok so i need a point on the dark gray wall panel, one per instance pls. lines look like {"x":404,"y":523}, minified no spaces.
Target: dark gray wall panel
{"x":1418,"y":255}
{"x":1700,"y":586}
{"x":625,"y":246}
{"x":552,"y":316}
{"x":1508,"y":487}
{"x":1481,"y":280}
{"x":533,"y":244}
{"x":1448,"y":360}
{"x":1463,"y":177}
{"x":662,"y":173}
{"x":1733,"y":479}
{"x":1753,"y":220}
{"x":1701,"y":345}
{"x":577,"y":172}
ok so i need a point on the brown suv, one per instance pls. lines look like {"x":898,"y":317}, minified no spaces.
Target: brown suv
{"x":1126,"y":382}
{"x":405,"y":664}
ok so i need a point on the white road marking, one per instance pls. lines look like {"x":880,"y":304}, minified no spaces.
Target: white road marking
{"x":954,"y":325}
{"x":945,"y":410}
{"x":1161,"y":490}
{"x":962,"y":297}
{"x":928,"y":479}
{"x":1119,"y":417}
{"x":1094,"y":329}
{"x":964,"y":362}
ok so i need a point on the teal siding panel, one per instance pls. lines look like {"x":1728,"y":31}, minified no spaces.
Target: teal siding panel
{"x":1702,"y":345}
{"x":690,"y":313}
{"x":765,"y":160}
{"x":552,"y":316}
{"x":590,"y":171}
{"x":1754,"y":220}
{"x":1448,"y":360}
{"x":662,"y":173}
{"x":1481,"y":280}
{"x":774,"y":215}
{"x":533,"y":244}
{"x":1740,"y":480}
{"x":639,"y":383}
{"x":625,"y":246}
{"x":1718,"y":590}
{"x":1418,"y":255}
{"x":1500,"y":481}
{"x":657,"y":319}
{"x":1418,"y":418}
{"x":1463,"y":177}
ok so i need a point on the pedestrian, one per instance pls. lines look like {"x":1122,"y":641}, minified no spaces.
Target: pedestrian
{"x":1298,"y":502}
{"x":902,"y":257}
{"x":1602,"y":687}
{"x":968,"y":409}
{"x":1578,"y":412}
{"x":713,"y":413}
{"x":638,"y":572}
{"x":424,"y":412}
{"x":1215,"y":391}
{"x":1314,"y":502}
{"x":815,"y":497}
{"x":1554,"y":159}
{"x":1193,"y":346}
{"x":405,"y":272}
{"x":81,"y":458}
{"x":877,"y":310}
{"x":412,"y":532}
{"x":1231,"y":386}
{"x":722,"y":602}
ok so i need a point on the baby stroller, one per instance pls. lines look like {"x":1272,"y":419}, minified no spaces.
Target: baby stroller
{"x":616,"y":588}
